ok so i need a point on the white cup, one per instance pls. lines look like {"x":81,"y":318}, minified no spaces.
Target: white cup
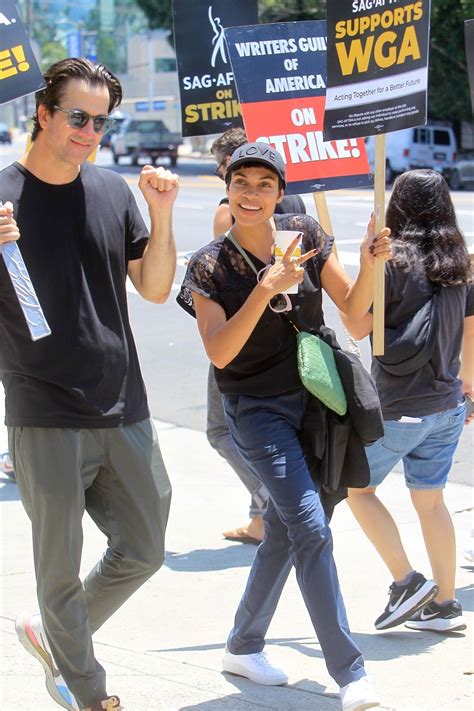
{"x":283,"y":239}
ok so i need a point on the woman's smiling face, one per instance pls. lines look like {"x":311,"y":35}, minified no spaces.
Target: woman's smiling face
{"x":253,"y":193}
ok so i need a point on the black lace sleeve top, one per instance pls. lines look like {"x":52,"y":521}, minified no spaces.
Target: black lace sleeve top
{"x":266,"y":365}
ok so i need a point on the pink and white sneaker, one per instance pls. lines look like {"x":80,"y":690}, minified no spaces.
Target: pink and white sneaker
{"x":29,"y":629}
{"x":6,"y":466}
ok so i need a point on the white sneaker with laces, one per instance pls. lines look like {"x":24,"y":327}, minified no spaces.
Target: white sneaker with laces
{"x":358,"y":695}
{"x":255,"y":667}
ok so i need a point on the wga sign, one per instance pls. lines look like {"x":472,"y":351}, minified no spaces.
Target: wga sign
{"x":218,"y":40}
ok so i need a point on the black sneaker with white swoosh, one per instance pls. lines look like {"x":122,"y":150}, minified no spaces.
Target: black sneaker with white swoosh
{"x":438,"y":618}
{"x":404,"y":600}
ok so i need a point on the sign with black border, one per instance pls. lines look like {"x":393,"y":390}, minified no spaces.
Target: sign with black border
{"x":209,"y":102}
{"x":377,"y":66}
{"x":280,"y":72}
{"x":19,"y":71}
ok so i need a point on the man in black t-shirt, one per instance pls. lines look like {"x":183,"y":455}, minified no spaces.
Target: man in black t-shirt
{"x":217,"y":430}
{"x":78,"y":422}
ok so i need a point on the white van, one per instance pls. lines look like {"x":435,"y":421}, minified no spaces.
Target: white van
{"x":429,"y":146}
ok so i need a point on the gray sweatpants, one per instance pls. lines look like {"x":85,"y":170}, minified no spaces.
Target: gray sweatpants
{"x":118,"y":476}
{"x":219,"y":438}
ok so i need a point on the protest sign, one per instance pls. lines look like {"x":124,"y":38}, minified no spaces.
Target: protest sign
{"x":19,"y":75}
{"x":377,"y":66}
{"x":209,"y":101}
{"x":377,"y":83}
{"x":280,"y":73}
{"x":469,"y":43}
{"x":19,"y":71}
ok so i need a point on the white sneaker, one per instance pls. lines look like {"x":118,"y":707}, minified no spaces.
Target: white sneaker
{"x":358,"y":695}
{"x":29,"y":629}
{"x":255,"y":667}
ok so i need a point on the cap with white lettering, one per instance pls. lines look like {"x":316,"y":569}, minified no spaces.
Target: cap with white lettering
{"x":258,"y":152}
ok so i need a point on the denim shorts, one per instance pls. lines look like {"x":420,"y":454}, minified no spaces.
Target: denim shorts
{"x":426,"y":446}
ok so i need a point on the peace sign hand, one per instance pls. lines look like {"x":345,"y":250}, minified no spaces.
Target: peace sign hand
{"x":288,"y":271}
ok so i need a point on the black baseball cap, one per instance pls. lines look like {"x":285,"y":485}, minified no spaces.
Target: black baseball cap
{"x":258,"y":152}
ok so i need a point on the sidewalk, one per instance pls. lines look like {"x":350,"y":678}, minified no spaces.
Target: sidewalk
{"x":162,"y":650}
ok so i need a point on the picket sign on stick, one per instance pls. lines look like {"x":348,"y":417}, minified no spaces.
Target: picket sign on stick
{"x":20,"y":75}
{"x":379,"y":264}
{"x":325,"y":222}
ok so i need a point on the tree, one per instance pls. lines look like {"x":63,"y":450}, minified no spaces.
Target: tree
{"x":448,"y":87}
{"x":51,"y":52}
{"x":291,"y":10}
{"x":159,"y":13}
{"x":112,"y":45}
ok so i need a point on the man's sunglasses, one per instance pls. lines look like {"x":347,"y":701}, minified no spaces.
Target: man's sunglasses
{"x":76,"y":118}
{"x":218,"y":170}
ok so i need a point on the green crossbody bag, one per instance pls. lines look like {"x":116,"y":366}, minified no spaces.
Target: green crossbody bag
{"x":316,"y":363}
{"x":318,"y":371}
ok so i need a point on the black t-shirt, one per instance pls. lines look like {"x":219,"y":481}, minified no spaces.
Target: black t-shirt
{"x":76,"y":241}
{"x":266,"y":365}
{"x":435,"y":387}
{"x":290,"y":205}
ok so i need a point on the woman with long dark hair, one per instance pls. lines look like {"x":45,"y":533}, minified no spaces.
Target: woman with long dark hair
{"x":235,"y":290}
{"x":424,"y":408}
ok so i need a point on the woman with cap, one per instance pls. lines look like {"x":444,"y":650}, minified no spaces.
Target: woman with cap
{"x":253,"y":347}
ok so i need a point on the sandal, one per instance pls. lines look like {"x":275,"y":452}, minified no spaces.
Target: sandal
{"x":241,"y":536}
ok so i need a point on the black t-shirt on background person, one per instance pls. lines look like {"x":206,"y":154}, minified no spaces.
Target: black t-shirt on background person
{"x":266,"y":365}
{"x":76,"y":240}
{"x":436,"y":387}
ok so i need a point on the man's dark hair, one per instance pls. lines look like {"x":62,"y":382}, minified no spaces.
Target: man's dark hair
{"x":226,"y":144}
{"x":58,"y":76}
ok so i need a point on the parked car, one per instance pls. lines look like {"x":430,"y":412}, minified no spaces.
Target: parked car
{"x":119,"y":117}
{"x":461,"y":175}
{"x":5,"y":134}
{"x":430,"y":146}
{"x":148,"y":138}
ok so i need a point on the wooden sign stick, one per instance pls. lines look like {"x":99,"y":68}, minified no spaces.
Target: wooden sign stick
{"x":378,"y":333}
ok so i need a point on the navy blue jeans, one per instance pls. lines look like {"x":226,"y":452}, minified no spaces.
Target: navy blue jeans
{"x":265,"y":431}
